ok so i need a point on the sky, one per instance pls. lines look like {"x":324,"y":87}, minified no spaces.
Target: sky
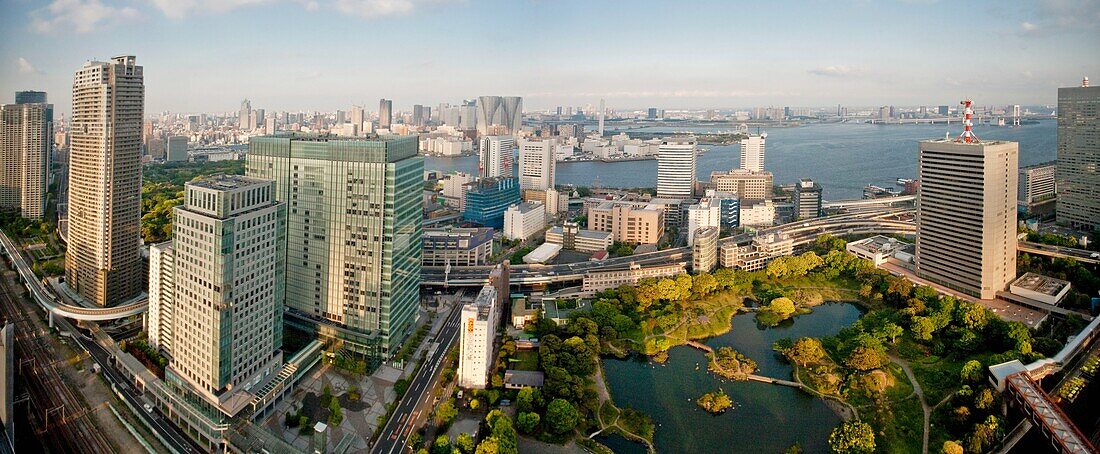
{"x":323,"y":55}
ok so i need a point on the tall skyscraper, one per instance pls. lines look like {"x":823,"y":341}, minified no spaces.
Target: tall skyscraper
{"x":421,"y":114}
{"x":244,"y":117}
{"x":651,"y":113}
{"x":385,"y":113}
{"x":354,"y":234}
{"x":807,"y":199}
{"x":357,"y":117}
{"x":25,"y":143}
{"x":506,"y":111}
{"x":537,"y":164}
{"x":103,"y":261}
{"x":676,"y":168}
{"x":224,"y":292}
{"x":1078,"y":172}
{"x":966,"y":215}
{"x":752,"y":152}
{"x":495,"y":154}
{"x":603,"y":113}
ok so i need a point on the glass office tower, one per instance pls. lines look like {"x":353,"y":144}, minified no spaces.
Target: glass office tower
{"x":354,"y":226}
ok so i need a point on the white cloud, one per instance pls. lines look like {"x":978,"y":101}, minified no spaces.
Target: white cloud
{"x":178,"y":9}
{"x":378,"y":8}
{"x":835,"y":71}
{"x":25,"y":67}
{"x":81,"y":16}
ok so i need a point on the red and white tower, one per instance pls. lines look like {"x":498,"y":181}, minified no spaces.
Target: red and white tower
{"x":968,"y":135}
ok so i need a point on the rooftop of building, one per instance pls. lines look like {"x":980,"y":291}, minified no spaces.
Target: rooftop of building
{"x":525,"y":378}
{"x":739,"y":172}
{"x":955,"y":141}
{"x":593,"y":234}
{"x":879,"y":243}
{"x":1041,"y":165}
{"x":679,"y":140}
{"x":529,"y":206}
{"x":228,"y":182}
{"x":1040,"y":284}
{"x":457,"y":231}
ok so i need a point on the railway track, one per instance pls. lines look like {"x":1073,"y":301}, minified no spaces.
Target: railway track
{"x":59,"y":417}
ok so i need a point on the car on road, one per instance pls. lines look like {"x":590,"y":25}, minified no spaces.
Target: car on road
{"x":1095,"y":255}
{"x":148,"y":408}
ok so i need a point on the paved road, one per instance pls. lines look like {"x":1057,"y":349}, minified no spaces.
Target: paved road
{"x":415,"y":404}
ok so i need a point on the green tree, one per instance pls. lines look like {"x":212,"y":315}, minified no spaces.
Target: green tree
{"x":529,"y":400}
{"x":782,"y":306}
{"x":952,"y":447}
{"x":971,"y":371}
{"x":561,"y":416}
{"x":985,"y":434}
{"x":447,"y":412}
{"x":922,"y":328}
{"x":805,"y":351}
{"x":442,"y":445}
{"x":488,"y":446}
{"x":892,"y":331}
{"x":465,"y":443}
{"x":416,"y":440}
{"x":852,"y":437}
{"x":865,"y":358}
{"x":703,"y":285}
{"x":527,"y":422}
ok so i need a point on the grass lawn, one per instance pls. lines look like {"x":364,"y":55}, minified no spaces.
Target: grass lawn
{"x":525,"y":360}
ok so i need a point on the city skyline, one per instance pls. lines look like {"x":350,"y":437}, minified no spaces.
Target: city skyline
{"x":209,"y":55}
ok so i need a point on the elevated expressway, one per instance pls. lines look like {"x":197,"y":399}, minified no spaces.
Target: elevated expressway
{"x":52,"y":304}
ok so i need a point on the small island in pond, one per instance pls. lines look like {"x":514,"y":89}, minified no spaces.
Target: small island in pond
{"x":715,"y":403}
{"x":731,"y":364}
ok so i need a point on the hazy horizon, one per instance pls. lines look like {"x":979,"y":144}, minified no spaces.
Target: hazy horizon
{"x":207,"y":55}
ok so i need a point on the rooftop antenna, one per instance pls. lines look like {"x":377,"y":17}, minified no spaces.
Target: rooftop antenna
{"x":967,"y":136}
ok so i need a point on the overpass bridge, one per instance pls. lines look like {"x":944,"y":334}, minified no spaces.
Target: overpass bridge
{"x":1064,"y":436}
{"x":52,"y":304}
{"x":1080,"y":255}
{"x":865,"y":203}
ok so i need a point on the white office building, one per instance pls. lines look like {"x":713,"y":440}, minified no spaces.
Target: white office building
{"x":760,"y":214}
{"x":676,"y":168}
{"x":752,"y":152}
{"x":226,"y":290}
{"x":158,"y":318}
{"x":478,"y":331}
{"x":537,"y":163}
{"x":966,"y":215}
{"x":524,"y":220}
{"x":495,"y":154}
{"x":707,"y":213}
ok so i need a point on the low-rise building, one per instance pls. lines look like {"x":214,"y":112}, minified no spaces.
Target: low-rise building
{"x":628,"y":223}
{"x":1040,"y":288}
{"x":457,"y":246}
{"x":756,"y":255}
{"x":542,"y":254}
{"x":572,"y":237}
{"x":759,"y":214}
{"x":519,"y":379}
{"x":478,"y":335}
{"x":878,"y":249}
{"x":1036,"y":189}
{"x":553,"y":200}
{"x":524,"y":220}
{"x":748,"y":185}
{"x":524,"y":311}
{"x":598,"y":281}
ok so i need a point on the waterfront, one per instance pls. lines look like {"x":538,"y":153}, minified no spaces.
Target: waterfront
{"x":766,"y":418}
{"x":842,"y":157}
